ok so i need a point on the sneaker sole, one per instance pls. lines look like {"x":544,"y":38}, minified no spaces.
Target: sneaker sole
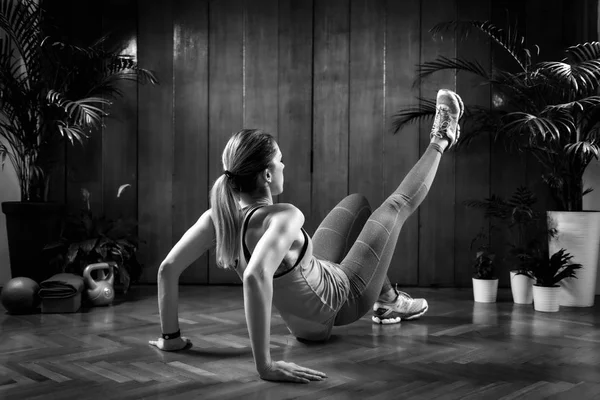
{"x":395,"y":320}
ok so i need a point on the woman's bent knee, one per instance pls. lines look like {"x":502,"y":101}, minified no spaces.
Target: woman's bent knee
{"x":355,"y":201}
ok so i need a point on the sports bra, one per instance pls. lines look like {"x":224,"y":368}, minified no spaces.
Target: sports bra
{"x":307,"y":294}
{"x":286,"y":268}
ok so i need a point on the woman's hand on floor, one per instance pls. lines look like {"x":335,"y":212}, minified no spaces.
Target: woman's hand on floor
{"x":179,"y":343}
{"x":289,"y":372}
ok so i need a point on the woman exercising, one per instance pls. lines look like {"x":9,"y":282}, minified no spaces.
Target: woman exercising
{"x":330,"y":280}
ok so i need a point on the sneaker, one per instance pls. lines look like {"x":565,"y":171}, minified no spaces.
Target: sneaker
{"x":404,"y":307}
{"x":449,"y":109}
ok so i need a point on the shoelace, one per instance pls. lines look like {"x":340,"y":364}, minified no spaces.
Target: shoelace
{"x":442,"y":123}
{"x":404,"y":294}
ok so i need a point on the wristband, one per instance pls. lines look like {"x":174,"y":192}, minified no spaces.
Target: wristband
{"x":175,"y":335}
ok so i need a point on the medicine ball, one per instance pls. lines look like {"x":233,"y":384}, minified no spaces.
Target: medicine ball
{"x":20,"y":295}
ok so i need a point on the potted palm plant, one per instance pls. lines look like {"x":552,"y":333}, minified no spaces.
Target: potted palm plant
{"x":548,"y":272}
{"x":485,"y":282}
{"x":550,"y":109}
{"x":50,"y":93}
{"x":524,"y":226}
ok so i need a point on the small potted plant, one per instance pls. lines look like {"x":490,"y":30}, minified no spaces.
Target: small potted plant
{"x":521,"y":284}
{"x":525,"y":229}
{"x":547,"y":272}
{"x":485,"y":282}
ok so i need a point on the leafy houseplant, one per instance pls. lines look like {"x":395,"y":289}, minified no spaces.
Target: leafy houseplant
{"x":526,"y":230}
{"x":483,"y":268}
{"x":485,"y":282}
{"x":51,"y":92}
{"x":547,"y":108}
{"x":522,"y":221}
{"x":87,"y":239}
{"x":548,"y":272}
{"x":550,"y":109}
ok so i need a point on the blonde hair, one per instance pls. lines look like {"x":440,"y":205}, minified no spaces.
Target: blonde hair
{"x":247,"y":153}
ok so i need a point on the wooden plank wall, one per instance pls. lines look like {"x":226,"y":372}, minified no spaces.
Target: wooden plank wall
{"x":190,"y":124}
{"x":325,"y":77}
{"x":472,"y":167}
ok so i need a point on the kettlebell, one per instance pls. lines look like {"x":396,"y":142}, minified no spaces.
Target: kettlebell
{"x":100,"y":291}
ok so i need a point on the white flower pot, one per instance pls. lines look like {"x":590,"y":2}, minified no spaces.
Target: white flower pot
{"x":485,"y":290}
{"x":546,"y":298}
{"x":579,"y":234}
{"x":521,"y":287}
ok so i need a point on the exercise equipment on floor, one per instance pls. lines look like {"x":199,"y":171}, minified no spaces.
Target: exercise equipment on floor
{"x":61,"y":293}
{"x":100,"y":291}
{"x":20,"y":295}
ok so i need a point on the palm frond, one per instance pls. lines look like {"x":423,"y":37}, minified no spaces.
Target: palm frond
{"x":109,"y":84}
{"x":21,"y":21}
{"x":414,"y":114}
{"x":84,"y":112}
{"x":72,"y":132}
{"x":533,"y":127}
{"x":510,"y":40}
{"x":583,"y":77}
{"x":580,"y":105}
{"x":126,"y":67}
{"x":457,"y":64}
{"x":582,"y":150}
{"x":584,"y":52}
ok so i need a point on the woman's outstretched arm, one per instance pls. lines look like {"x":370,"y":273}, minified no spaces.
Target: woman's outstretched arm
{"x":195,"y":242}
{"x":283,"y":226}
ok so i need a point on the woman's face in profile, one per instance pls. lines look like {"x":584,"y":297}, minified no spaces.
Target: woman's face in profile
{"x":277,"y":170}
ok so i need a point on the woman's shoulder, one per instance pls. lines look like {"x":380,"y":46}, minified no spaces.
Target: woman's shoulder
{"x":286,"y":208}
{"x":285,"y":212}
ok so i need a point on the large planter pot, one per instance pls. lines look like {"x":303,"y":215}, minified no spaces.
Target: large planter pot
{"x":485,"y":290}
{"x":30,"y":227}
{"x":521,"y":288}
{"x":546,"y":299}
{"x":579,"y":234}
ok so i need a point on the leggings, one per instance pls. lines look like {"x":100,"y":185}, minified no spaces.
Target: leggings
{"x":363,"y":243}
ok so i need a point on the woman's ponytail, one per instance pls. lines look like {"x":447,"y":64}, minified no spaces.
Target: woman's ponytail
{"x":247,"y":154}
{"x":226,"y":217}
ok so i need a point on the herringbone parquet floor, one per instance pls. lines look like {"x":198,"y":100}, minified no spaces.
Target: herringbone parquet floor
{"x":458,"y":350}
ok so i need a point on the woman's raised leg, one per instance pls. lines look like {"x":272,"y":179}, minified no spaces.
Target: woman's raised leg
{"x":368,"y":260}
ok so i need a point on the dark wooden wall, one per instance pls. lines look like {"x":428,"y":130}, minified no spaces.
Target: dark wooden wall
{"x":325,"y":77}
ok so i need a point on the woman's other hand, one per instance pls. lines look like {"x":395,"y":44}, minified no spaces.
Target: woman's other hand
{"x":282,"y":371}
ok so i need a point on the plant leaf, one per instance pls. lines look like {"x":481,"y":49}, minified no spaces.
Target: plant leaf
{"x":125,"y":279}
{"x":87,"y":246}
{"x":584,"y":52}
{"x":457,"y":64}
{"x":510,"y":40}
{"x":72,"y":253}
{"x":414,"y":114}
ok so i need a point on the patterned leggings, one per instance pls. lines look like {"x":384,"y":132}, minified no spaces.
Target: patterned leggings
{"x":362,"y":243}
